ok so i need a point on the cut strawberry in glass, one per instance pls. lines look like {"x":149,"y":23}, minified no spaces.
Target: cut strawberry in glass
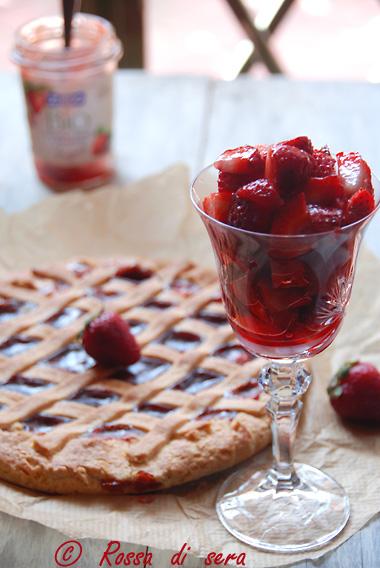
{"x":262,"y":194}
{"x":359,"y":206}
{"x":324,"y":190}
{"x":244,"y":214}
{"x":354,"y":172}
{"x":323,"y":219}
{"x":302,"y":142}
{"x":287,"y":167}
{"x":232,"y":182}
{"x":242,"y":160}
{"x":217,"y":205}
{"x":323,"y":163}
{"x":291,"y":217}
{"x":290,"y":273}
{"x":281,"y":299}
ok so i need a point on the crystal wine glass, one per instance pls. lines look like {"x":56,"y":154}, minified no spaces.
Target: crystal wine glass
{"x":285,"y":298}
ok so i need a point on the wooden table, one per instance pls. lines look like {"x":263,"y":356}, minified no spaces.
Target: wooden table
{"x":160,"y":121}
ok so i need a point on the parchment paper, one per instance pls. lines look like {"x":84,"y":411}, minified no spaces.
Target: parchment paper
{"x":154,"y":217}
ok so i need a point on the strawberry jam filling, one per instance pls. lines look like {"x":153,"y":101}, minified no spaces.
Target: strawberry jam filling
{"x":25,"y":385}
{"x":43,"y":423}
{"x":17,"y":344}
{"x":80,"y":269}
{"x":10,"y":307}
{"x":112,"y":430}
{"x":103,"y":294}
{"x":250,"y":389}
{"x":136,"y":326}
{"x":143,"y":481}
{"x":213,"y":317}
{"x":158,"y":304}
{"x":71,"y":358}
{"x":134,"y":273}
{"x":95,"y":396}
{"x":184,"y":286}
{"x":158,"y":410}
{"x":65,"y":317}
{"x":144,"y":370}
{"x":234,"y":353}
{"x":211,"y":413}
{"x":198,"y":380}
{"x":180,"y":340}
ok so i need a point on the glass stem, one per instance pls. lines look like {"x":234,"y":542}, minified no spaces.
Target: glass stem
{"x":285,"y":383}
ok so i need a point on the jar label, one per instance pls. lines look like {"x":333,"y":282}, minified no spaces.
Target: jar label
{"x":70,"y":124}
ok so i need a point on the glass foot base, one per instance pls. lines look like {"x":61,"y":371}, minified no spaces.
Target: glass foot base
{"x":287,"y":520}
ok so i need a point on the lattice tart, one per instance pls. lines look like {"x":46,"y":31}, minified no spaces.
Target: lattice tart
{"x":189,"y":407}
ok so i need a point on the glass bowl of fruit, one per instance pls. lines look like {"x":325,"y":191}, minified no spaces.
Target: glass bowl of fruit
{"x":285,"y":222}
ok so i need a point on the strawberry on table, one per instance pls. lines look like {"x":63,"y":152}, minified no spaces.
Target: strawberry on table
{"x":359,"y":206}
{"x":287,"y":167}
{"x":217,"y":205}
{"x":109,"y":340}
{"x":355,"y":392}
{"x":354,"y":172}
{"x":242,"y":160}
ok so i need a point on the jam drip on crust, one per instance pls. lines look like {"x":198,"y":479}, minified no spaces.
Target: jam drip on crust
{"x":143,"y":481}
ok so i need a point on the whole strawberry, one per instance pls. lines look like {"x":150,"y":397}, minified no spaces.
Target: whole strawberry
{"x":355,"y":392}
{"x":109,"y":340}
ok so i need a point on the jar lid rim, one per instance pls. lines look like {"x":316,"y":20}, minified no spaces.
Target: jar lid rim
{"x":103,"y":44}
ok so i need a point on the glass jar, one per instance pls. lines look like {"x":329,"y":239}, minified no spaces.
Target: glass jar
{"x":68,"y":94}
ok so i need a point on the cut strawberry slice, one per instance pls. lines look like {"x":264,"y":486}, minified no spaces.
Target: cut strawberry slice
{"x":323,"y":219}
{"x":217,"y":205}
{"x":324,"y":190}
{"x":291,"y":217}
{"x":291,"y":273}
{"x":359,"y":206}
{"x":355,"y":172}
{"x":301,"y":142}
{"x":324,"y":164}
{"x":287,"y":167}
{"x":262,"y":194}
{"x":242,"y":160}
{"x":246,"y":215}
{"x":232,"y":182}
